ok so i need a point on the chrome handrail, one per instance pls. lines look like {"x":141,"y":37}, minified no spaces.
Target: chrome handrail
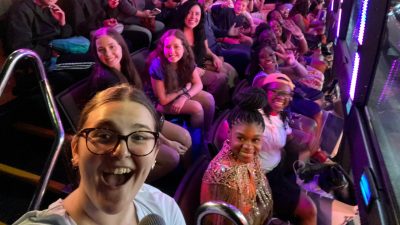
{"x":5,"y":75}
{"x":221,"y":208}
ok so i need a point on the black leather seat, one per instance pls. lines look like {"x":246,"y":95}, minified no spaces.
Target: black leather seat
{"x":72,"y":100}
{"x":187,"y":194}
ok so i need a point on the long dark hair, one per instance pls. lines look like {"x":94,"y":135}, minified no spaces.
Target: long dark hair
{"x":128,"y":69}
{"x":199,"y":48}
{"x":185,"y":66}
{"x":300,"y":7}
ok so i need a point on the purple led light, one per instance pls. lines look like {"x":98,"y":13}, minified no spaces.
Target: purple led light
{"x":362,"y":22}
{"x":332,"y":4}
{"x":339,"y":19}
{"x":354,"y":75}
{"x":392,"y":77}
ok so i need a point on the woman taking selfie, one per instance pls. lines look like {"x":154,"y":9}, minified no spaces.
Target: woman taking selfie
{"x":114,"y":151}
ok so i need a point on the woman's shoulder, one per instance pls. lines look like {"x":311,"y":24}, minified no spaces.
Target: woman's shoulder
{"x":54,"y":214}
{"x":150,"y":200}
{"x":155,"y":66}
{"x":222,"y":167}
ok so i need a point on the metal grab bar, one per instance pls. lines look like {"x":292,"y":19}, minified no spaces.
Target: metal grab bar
{"x":221,"y":208}
{"x":5,"y":75}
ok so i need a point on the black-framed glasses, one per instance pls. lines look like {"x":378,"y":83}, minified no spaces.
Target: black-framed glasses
{"x":281,"y":93}
{"x":100,"y":141}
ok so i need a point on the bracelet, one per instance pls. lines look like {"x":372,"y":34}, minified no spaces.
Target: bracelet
{"x":187,"y":95}
{"x":184,"y":90}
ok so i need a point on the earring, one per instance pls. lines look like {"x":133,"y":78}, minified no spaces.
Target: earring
{"x":262,"y":68}
{"x":154,"y":165}
{"x":74,"y":164}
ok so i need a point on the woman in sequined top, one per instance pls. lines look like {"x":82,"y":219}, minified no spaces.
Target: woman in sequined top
{"x":234,"y":175}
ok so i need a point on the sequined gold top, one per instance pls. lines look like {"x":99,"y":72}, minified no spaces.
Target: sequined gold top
{"x":240,"y":184}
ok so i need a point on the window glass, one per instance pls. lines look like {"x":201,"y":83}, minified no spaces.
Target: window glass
{"x":384,"y":102}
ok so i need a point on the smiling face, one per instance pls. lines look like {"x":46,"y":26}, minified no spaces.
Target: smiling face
{"x":284,"y":11}
{"x":240,"y":6}
{"x":267,"y":60}
{"x":245,"y":141}
{"x":279,"y":96}
{"x":193,"y":17}
{"x":109,"y":51}
{"x":276,"y":15}
{"x":276,"y":27}
{"x":112,"y":180}
{"x":173,"y":49}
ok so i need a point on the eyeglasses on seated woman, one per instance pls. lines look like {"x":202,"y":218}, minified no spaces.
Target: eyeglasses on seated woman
{"x":114,"y":152}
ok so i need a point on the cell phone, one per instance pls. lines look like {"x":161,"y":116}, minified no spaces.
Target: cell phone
{"x":155,"y":11}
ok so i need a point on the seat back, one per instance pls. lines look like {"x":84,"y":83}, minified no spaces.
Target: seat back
{"x":72,"y":100}
{"x":218,"y":133}
{"x":187,"y":194}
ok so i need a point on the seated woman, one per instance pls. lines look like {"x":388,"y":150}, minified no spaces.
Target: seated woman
{"x":176,"y":81}
{"x":264,"y":63}
{"x":313,"y":78}
{"x":113,"y":65}
{"x":114,"y":151}
{"x":234,"y":175}
{"x":216,"y":74}
{"x":299,"y":14}
{"x":289,"y":200}
{"x":290,"y":34}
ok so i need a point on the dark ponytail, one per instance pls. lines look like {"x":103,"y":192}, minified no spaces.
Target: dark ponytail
{"x":250,"y":101}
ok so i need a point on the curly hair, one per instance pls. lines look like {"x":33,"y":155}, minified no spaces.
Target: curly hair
{"x":128,"y":69}
{"x":185,"y":66}
{"x":254,"y":66}
{"x":199,"y":48}
{"x":250,"y":100}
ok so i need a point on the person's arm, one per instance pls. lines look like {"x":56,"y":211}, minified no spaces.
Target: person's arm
{"x":250,"y":6}
{"x":21,"y":21}
{"x":292,"y":67}
{"x":216,"y":60}
{"x":161,"y":92}
{"x":189,"y":91}
{"x":298,"y":20}
{"x":127,"y":8}
{"x":295,"y":30}
{"x":196,"y":85}
{"x":181,"y":149}
{"x":301,"y":44}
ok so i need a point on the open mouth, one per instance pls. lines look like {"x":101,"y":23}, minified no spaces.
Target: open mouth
{"x":117,"y":177}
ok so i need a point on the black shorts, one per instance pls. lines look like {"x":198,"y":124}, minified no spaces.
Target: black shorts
{"x":285,"y":190}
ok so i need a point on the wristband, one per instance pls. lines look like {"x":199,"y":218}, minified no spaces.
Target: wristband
{"x":184,"y":90}
{"x":187,"y":95}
